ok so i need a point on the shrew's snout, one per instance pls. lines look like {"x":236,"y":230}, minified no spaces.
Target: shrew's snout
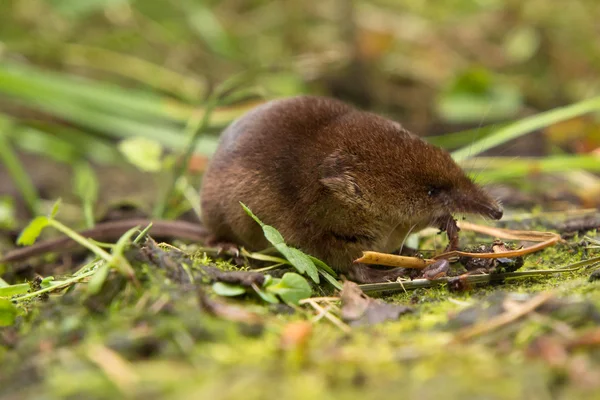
{"x":478,"y":202}
{"x":495,"y":211}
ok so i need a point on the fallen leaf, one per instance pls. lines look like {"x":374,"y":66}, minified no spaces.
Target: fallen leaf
{"x":360,"y":309}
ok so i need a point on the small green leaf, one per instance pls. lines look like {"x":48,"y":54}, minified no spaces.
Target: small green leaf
{"x":32,"y":231}
{"x":8,"y":312}
{"x":273,"y":236}
{"x":266,"y":296}
{"x":336,"y":284}
{"x":268,"y":280}
{"x":321,"y":265}
{"x":291,"y":288}
{"x":98,"y":279}
{"x":302,"y":262}
{"x":227,"y":289}
{"x":55,"y":208}
{"x":12,"y":290}
{"x":250,"y":213}
{"x":143,"y":153}
{"x":47,"y":282}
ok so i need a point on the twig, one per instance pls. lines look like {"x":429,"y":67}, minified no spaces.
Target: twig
{"x":546,"y":238}
{"x":305,"y":301}
{"x":391,"y":260}
{"x":505,"y":318}
{"x":57,"y":286}
{"x":470,"y":279}
{"x":114,"y":367}
{"x":334,"y":320}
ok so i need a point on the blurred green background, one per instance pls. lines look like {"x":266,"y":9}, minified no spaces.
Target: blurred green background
{"x":77,"y":77}
{"x":115,"y":106}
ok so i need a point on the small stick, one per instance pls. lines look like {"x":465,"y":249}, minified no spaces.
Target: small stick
{"x":116,"y":369}
{"x":509,"y":234}
{"x":505,"y":318}
{"x":391,"y":260}
{"x":546,"y":239}
{"x":330,"y":317}
{"x":308,"y":300}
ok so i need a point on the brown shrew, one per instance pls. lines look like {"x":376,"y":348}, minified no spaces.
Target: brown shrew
{"x":335,"y":181}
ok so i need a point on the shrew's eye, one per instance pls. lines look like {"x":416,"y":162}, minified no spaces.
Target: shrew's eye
{"x":433,"y":191}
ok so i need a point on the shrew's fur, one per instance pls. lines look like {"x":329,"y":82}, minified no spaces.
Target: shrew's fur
{"x":334,"y":180}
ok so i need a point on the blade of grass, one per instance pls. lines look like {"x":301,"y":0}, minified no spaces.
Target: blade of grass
{"x":150,"y":74}
{"x":17,"y":172}
{"x":62,"y":144}
{"x":498,"y":168}
{"x":463,"y":138}
{"x":527,"y":125}
{"x":30,"y":83}
{"x":120,"y":127}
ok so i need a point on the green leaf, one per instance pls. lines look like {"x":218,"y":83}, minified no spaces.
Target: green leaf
{"x":250,"y":213}
{"x":273,"y":236}
{"x":47,"y":282}
{"x":55,"y":208}
{"x":32,"y":231}
{"x":302,"y":262}
{"x":336,"y":284}
{"x":142,"y":152}
{"x":98,"y":279}
{"x":8,"y":312}
{"x":266,"y":296}
{"x":291,"y":288}
{"x":227,"y":289}
{"x":12,"y":290}
{"x":321,"y":265}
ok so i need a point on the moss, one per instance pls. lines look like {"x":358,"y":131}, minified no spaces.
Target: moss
{"x":176,"y":349}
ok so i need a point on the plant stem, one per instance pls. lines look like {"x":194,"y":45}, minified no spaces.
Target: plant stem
{"x":194,"y":128}
{"x":81,"y":240}
{"x":62,"y":284}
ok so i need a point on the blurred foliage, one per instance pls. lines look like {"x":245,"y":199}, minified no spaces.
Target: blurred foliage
{"x":499,"y":55}
{"x":105,"y":89}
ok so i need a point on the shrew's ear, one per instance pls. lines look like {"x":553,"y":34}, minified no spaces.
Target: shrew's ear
{"x":337,"y":176}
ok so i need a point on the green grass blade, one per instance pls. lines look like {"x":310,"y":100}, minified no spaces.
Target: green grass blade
{"x":527,"y":125}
